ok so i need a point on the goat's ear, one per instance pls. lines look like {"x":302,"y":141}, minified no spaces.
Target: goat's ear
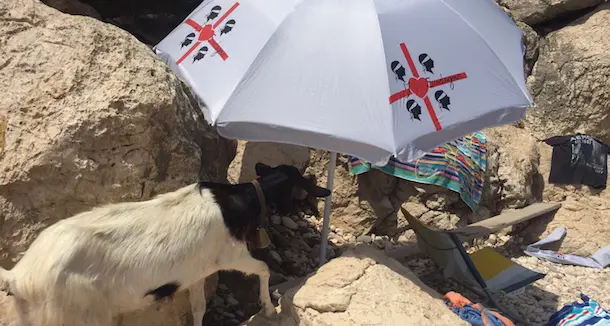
{"x":262,"y":169}
{"x":313,"y":189}
{"x":320,"y":192}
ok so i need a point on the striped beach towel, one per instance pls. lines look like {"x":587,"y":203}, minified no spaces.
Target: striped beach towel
{"x":458,"y":165}
{"x":579,"y":314}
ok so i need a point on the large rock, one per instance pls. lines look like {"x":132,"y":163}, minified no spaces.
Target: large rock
{"x":89,"y":116}
{"x":513,"y":180}
{"x":531,"y":40}
{"x":570,"y":80}
{"x":585,"y":212}
{"x":535,"y":12}
{"x":363,"y":287}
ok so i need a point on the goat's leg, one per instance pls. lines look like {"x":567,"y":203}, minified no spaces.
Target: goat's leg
{"x":198,"y":301}
{"x":21,"y":312}
{"x":249,"y":265}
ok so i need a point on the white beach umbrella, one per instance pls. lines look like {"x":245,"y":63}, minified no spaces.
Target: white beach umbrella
{"x":368,"y":78}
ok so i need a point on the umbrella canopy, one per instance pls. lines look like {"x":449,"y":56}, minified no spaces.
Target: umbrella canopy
{"x":369,"y":78}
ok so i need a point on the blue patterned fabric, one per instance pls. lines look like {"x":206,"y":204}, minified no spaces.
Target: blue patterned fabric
{"x":581,"y":314}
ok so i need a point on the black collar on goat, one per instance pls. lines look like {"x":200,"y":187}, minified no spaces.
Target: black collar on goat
{"x":261,"y":238}
{"x":262,"y":202}
{"x":240,"y":204}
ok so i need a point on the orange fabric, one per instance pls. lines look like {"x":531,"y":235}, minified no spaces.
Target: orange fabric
{"x":457,"y":299}
{"x":460,"y":301}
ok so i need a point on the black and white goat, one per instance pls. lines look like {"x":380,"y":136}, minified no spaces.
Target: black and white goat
{"x":117,"y":258}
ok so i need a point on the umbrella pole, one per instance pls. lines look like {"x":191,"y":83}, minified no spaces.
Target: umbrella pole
{"x":327,"y":206}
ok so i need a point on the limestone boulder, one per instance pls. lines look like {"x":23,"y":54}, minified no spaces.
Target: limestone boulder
{"x":585,"y":215}
{"x":513,"y":179}
{"x":570,"y":80}
{"x":585,"y":212}
{"x":362,"y":287}
{"x":531,"y":40}
{"x":88,"y":116}
{"x":535,"y":12}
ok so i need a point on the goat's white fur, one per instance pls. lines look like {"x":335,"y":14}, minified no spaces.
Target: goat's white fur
{"x":86,"y":269}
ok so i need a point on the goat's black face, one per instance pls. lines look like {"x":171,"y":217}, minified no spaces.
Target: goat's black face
{"x":280,"y":182}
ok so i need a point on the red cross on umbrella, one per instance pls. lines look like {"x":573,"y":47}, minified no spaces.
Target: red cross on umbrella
{"x":206,"y":34}
{"x":420,"y":86}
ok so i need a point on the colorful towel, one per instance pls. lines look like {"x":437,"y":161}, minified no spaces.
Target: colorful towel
{"x":458,"y":165}
{"x":475,"y":314}
{"x":579,"y":314}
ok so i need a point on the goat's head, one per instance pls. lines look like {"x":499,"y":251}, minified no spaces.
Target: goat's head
{"x":279,"y":183}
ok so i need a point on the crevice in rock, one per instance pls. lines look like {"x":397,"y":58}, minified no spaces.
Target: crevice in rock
{"x":337,"y":309}
{"x":561,"y":21}
{"x":149,"y":21}
{"x":360,"y":275}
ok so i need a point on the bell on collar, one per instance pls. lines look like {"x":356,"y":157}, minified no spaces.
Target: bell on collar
{"x":263,"y":239}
